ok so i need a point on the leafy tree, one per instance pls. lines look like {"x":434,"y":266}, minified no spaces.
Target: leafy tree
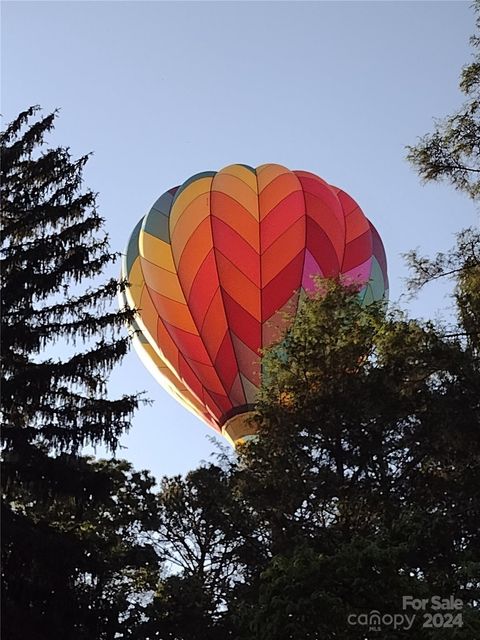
{"x":366,"y":469}
{"x":80,"y":564}
{"x":452,"y":152}
{"x":54,"y":404}
{"x":206,"y":536}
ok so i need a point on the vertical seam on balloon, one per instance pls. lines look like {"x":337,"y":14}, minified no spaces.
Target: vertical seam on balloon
{"x":240,"y":375}
{"x":261,"y":279}
{"x":344,"y":233}
{"x":223,"y":301}
{"x":335,"y":193}
{"x":305,"y":245}
{"x":177,"y":265}
{"x":195,"y":280}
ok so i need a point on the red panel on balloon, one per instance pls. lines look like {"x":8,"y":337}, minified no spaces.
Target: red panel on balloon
{"x":281,"y":218}
{"x":214,"y":326}
{"x":279,"y":290}
{"x":357,"y":251}
{"x":234,"y":214}
{"x":203,"y":289}
{"x":188,"y":376}
{"x":247,"y":328}
{"x":322,"y":249}
{"x":239,"y":251}
{"x":332,"y":227}
{"x":226,"y":363}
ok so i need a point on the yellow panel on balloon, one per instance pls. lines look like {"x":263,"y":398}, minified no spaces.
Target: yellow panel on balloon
{"x":238,"y":190}
{"x":266,"y":173}
{"x":200,"y":187}
{"x":156,"y":251}
{"x":162,"y":281}
{"x":136,"y":282}
{"x":188,"y":222}
{"x":249,"y":176}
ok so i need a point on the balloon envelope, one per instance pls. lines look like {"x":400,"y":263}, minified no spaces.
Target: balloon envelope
{"x":216,"y":263}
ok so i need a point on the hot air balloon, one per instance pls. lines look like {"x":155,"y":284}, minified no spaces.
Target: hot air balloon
{"x":215,"y":264}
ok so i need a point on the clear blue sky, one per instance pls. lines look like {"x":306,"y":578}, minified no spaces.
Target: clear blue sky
{"x":162,"y":90}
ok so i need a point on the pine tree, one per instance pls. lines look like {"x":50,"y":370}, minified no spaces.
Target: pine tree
{"x":54,"y":252}
{"x":52,"y":241}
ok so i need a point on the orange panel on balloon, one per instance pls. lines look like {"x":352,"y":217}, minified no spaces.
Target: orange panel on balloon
{"x":165,"y":342}
{"x":236,"y":216}
{"x":238,"y":190}
{"x":273,"y":193}
{"x":194,"y":254}
{"x":214,"y":326}
{"x":242,"y":323}
{"x":189,"y":344}
{"x":162,"y":281}
{"x":245,"y":173}
{"x":208,"y":376}
{"x":204,"y":287}
{"x":281,"y":288}
{"x":225,"y":362}
{"x":278,"y":256}
{"x":190,"y":378}
{"x":238,"y":285}
{"x":148,"y":311}
{"x":190,"y":198}
{"x":281,"y":218}
{"x":175,"y":313}
{"x":189,"y":220}
{"x":267,"y":173}
{"x":231,"y":244}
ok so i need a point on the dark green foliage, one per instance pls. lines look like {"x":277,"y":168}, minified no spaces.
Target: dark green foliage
{"x":361,"y":488}
{"x":370,"y":444}
{"x":206,"y":535}
{"x":70,"y":553}
{"x":53,"y":240}
{"x":77,"y":563}
{"x":462,"y":265}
